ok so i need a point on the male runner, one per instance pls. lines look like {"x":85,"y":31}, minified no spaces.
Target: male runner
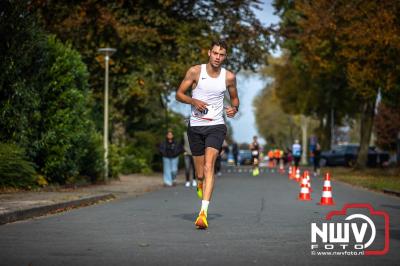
{"x":296,"y":150}
{"x":255,"y":155}
{"x":207,"y":128}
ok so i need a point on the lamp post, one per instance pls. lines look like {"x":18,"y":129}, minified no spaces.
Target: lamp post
{"x":107,"y":53}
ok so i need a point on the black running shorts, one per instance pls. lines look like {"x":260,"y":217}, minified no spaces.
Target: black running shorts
{"x":201,"y":137}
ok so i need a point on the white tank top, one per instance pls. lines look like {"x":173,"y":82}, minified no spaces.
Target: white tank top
{"x":211,"y":91}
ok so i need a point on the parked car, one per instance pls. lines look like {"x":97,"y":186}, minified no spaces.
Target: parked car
{"x":230,"y":160}
{"x":346,"y":155}
{"x":244,"y":157}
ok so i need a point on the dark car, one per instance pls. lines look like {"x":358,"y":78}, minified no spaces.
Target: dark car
{"x":346,"y":155}
{"x":244,"y":157}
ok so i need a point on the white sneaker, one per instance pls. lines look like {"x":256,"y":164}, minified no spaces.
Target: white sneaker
{"x":219,"y":174}
{"x":187,"y":184}
{"x":194,"y":183}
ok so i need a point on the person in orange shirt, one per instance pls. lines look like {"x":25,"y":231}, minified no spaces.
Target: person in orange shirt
{"x":277,"y":156}
{"x":271,"y":159}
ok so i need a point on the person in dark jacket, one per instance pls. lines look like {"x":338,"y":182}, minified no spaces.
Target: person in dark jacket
{"x":235,"y":152}
{"x":317,"y":157}
{"x":170,"y":150}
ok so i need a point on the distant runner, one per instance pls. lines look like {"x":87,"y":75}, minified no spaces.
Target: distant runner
{"x":255,"y":155}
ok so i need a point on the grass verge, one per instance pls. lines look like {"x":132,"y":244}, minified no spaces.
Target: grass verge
{"x":375,"y":179}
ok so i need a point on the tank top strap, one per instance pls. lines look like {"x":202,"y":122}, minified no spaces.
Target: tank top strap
{"x":203,"y":70}
{"x":222,"y":75}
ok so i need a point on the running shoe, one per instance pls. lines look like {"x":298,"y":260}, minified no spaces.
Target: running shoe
{"x":200,"y":190}
{"x":256,"y":171}
{"x":201,"y":221}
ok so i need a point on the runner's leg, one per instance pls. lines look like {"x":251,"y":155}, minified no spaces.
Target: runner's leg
{"x":192,"y":167}
{"x":199,"y":167}
{"x":209,"y":164}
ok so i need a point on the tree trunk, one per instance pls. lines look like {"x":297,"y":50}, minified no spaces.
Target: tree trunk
{"x":324,"y":134}
{"x":367,"y":120}
{"x":398,"y":149}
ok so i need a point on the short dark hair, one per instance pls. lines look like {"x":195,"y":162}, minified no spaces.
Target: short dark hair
{"x":220,"y":43}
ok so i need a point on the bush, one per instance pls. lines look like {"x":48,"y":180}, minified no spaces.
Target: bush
{"x":115,"y":160}
{"x":21,"y":58}
{"x":15,"y":169}
{"x":92,"y":163}
{"x":67,"y":146}
{"x":127,"y":160}
{"x":44,"y":99}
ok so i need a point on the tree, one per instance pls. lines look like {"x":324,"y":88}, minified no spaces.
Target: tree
{"x":156,"y":42}
{"x":45,"y":102}
{"x":278,"y":128}
{"x":368,"y":44}
{"x":21,"y":54}
{"x":350,"y":44}
{"x":307,"y":87}
{"x":387,"y":126}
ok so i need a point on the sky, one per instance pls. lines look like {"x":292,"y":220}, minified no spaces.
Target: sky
{"x":244,"y":126}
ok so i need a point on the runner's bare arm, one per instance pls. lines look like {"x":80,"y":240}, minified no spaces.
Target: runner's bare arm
{"x":190,"y":79}
{"x":232,"y":89}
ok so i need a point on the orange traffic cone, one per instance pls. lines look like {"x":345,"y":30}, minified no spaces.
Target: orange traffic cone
{"x":326,"y":198}
{"x":307,"y":175}
{"x":281,"y":169}
{"x":304,"y":190}
{"x":290,"y":172}
{"x":297,"y":175}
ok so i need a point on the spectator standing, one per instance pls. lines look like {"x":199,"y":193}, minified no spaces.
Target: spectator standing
{"x":170,"y":150}
{"x":317,"y":157}
{"x":189,"y":165}
{"x":235,"y":152}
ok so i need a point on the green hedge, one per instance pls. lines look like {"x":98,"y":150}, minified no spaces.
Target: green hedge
{"x":44,"y":100}
{"x":68,"y":146}
{"x":15,"y":169}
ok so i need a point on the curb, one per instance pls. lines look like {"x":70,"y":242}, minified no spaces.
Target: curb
{"x":52,"y":208}
{"x":391,"y":192}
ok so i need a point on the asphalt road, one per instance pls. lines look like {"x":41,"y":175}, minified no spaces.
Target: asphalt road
{"x":253,"y":221}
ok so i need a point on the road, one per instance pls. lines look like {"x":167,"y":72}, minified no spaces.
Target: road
{"x":253,"y":221}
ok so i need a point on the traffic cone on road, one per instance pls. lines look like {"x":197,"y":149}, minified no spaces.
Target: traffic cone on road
{"x":290,"y":172}
{"x":281,"y":168}
{"x":298,"y":174}
{"x":307,"y":175}
{"x":304,"y":190}
{"x":326,"y":198}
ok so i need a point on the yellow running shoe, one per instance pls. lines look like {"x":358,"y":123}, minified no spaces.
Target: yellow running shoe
{"x":200,"y":190}
{"x":256,"y":171}
{"x":201,"y":221}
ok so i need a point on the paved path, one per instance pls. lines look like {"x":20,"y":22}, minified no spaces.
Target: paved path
{"x":253,"y":221}
{"x":20,"y":205}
